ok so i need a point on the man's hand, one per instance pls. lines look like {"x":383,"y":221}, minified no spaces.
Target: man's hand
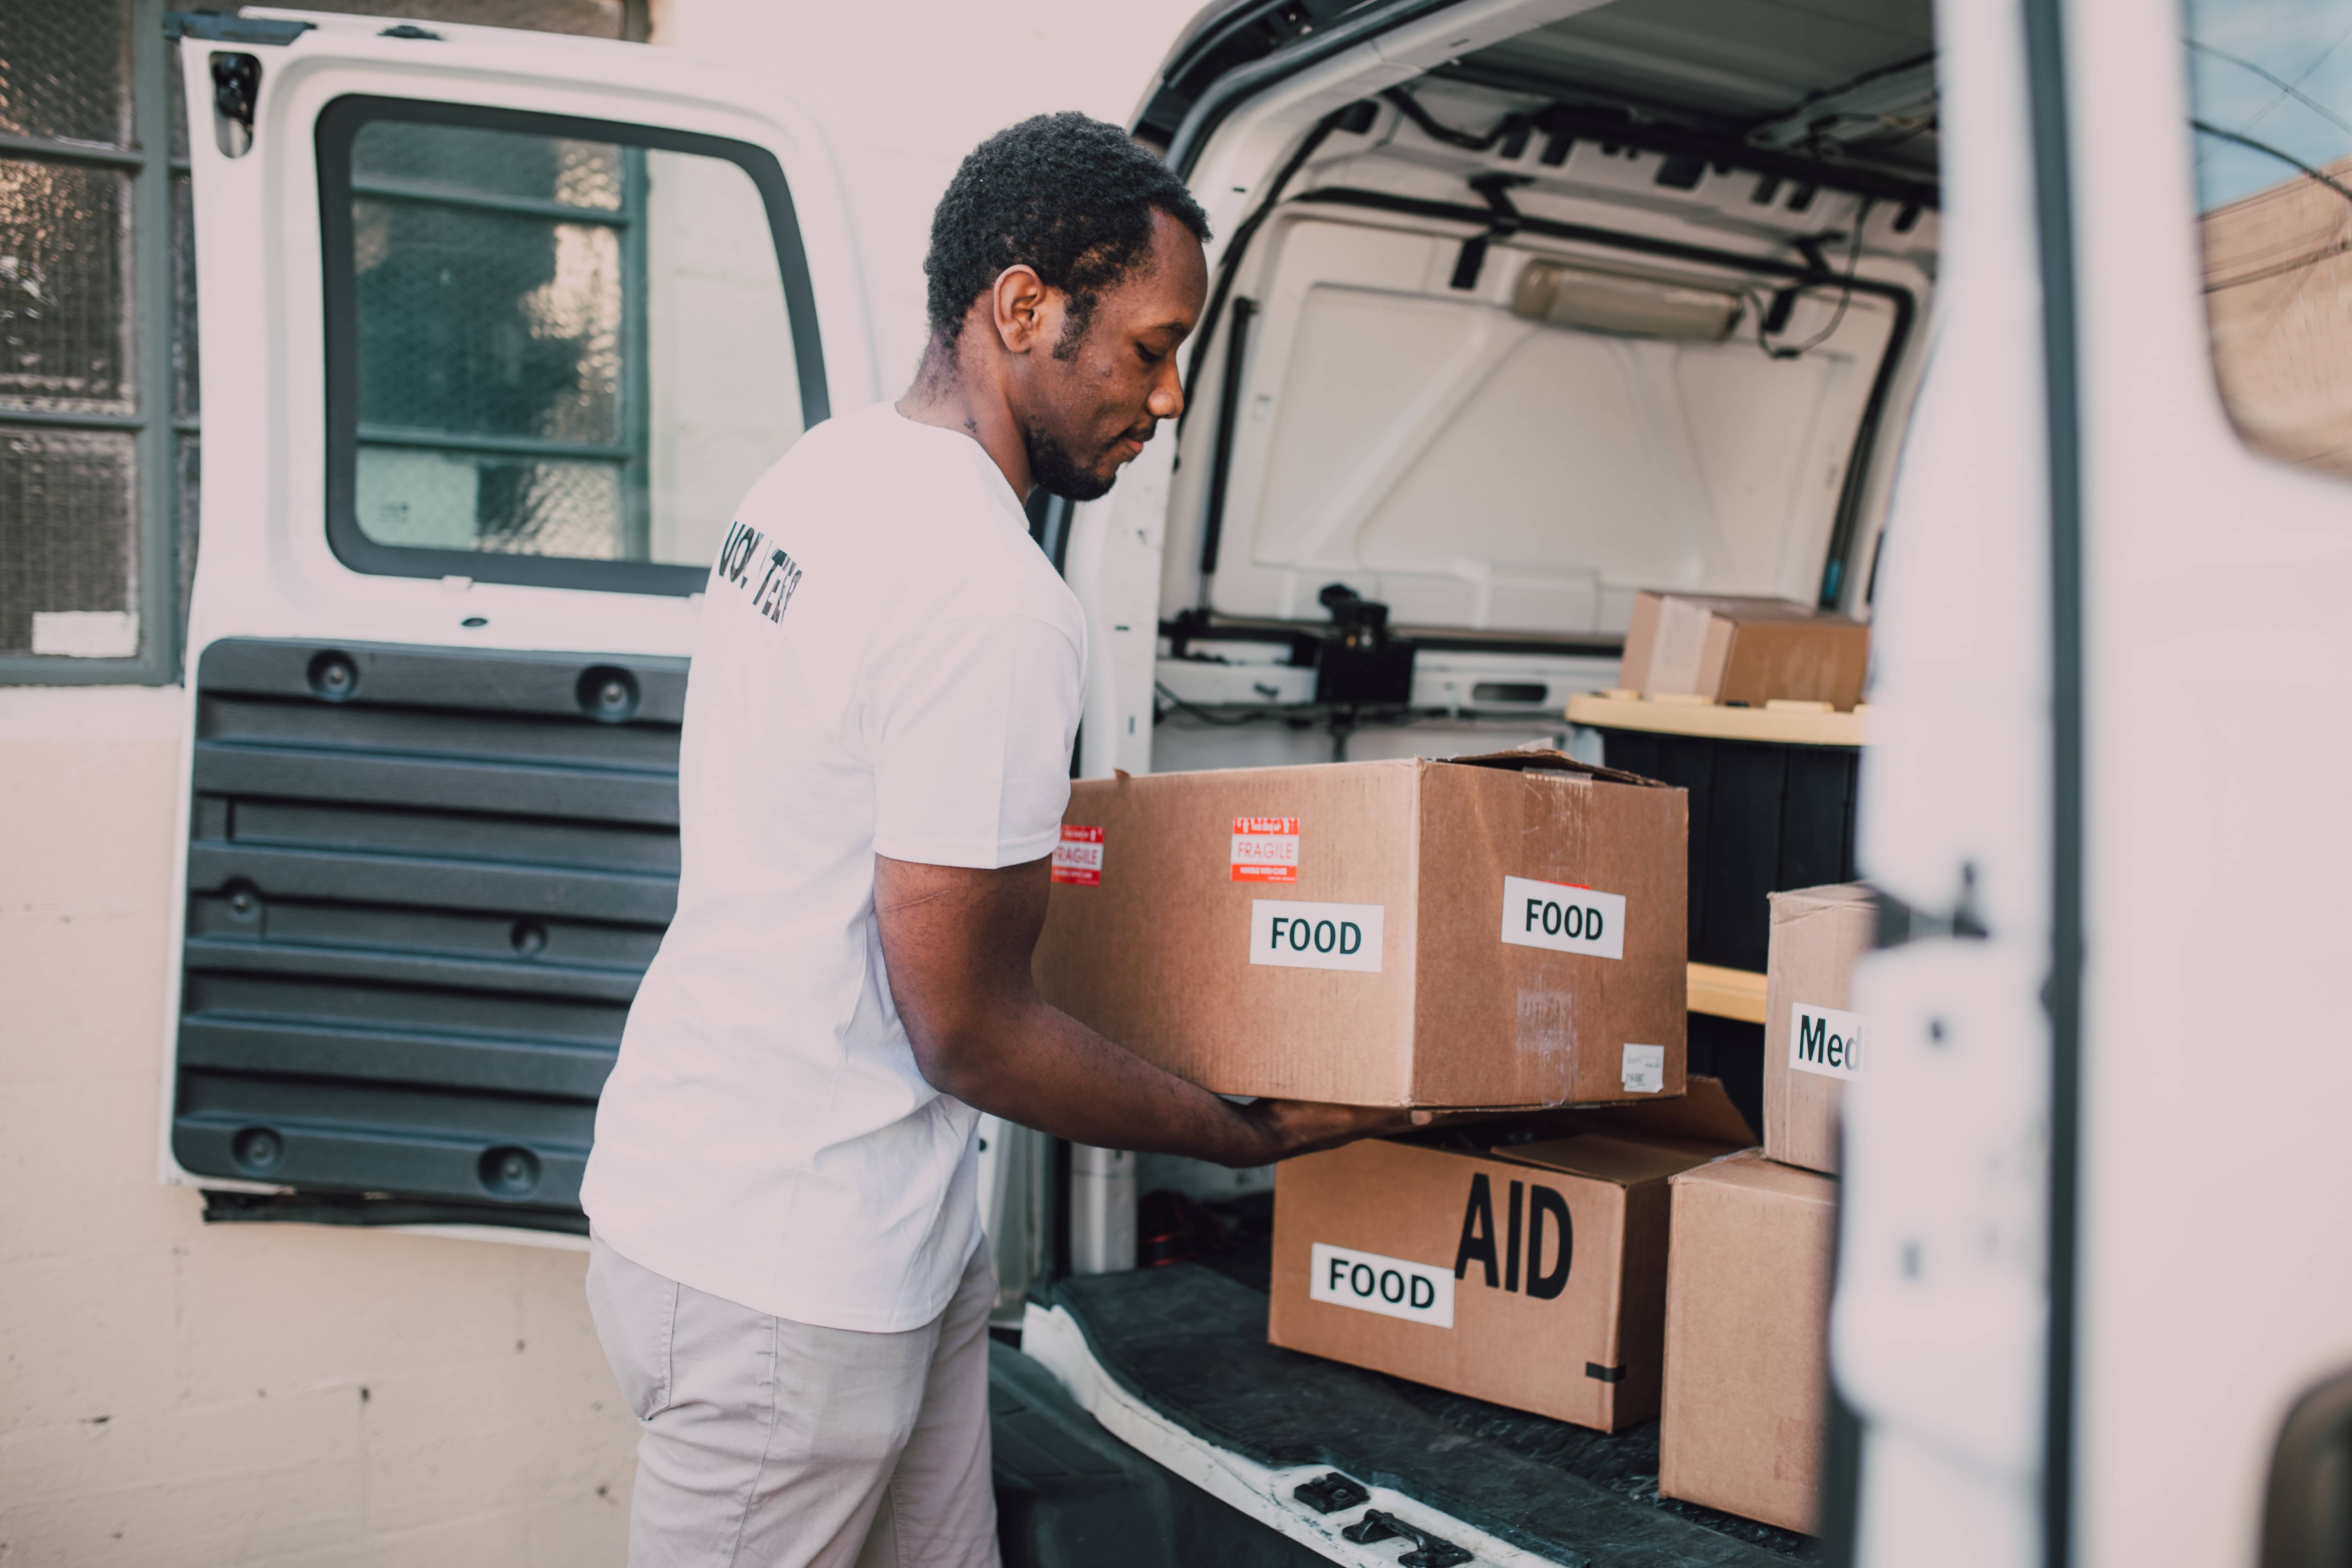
{"x":958,"y":943}
{"x":1304,"y":1126}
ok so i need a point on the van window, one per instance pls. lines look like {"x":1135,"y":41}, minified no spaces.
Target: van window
{"x":87,"y":433}
{"x":558,"y":351}
{"x":2271,"y":111}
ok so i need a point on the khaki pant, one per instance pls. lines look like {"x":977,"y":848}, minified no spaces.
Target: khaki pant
{"x":773,"y":1443}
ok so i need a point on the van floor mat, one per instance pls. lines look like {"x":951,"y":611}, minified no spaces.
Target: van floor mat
{"x":1070,"y":1495}
{"x":1191,"y":1343}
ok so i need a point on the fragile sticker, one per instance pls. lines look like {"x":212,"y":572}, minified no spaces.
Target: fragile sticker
{"x":1563,"y":917}
{"x":1388,"y":1286}
{"x":1079,"y":857}
{"x":1297,"y":935}
{"x":1645,"y":1069}
{"x":1265,"y":850}
{"x":1824,"y":1040}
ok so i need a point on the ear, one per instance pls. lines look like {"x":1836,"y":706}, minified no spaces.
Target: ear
{"x":1028,"y":313}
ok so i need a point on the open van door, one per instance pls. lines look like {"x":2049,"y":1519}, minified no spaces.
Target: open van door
{"x":495,"y":328}
{"x":2090,"y":1286}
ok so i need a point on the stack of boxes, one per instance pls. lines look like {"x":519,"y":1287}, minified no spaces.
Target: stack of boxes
{"x":1503,"y":931}
{"x":1535,"y":1272}
{"x":1743,"y":653}
{"x":1748,"y":1277}
{"x":1506,"y":932}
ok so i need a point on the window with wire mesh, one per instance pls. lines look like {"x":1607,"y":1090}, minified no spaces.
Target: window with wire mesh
{"x":2271,"y":112}
{"x":563,"y":347}
{"x":70,"y":398}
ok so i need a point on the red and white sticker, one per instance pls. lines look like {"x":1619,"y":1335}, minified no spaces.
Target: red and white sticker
{"x":1079,"y":857}
{"x":1265,"y":850}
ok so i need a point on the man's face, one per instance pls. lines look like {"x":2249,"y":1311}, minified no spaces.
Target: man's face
{"x":1094,"y":398}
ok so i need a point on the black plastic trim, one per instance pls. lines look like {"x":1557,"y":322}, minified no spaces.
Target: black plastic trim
{"x":338,"y":123}
{"x":1236,"y":86}
{"x":215,"y":26}
{"x":1615,"y":127}
{"x":1212,"y":527}
{"x":1198,"y":626}
{"x":1242,"y":32}
{"x":423,"y":885}
{"x":2053,"y":198}
{"x":2307,"y":1504}
{"x":357,"y":1209}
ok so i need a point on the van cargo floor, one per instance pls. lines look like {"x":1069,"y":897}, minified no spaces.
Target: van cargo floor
{"x":1187,"y":1343}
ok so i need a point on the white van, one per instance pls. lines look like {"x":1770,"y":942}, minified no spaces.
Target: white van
{"x":1518,"y":306}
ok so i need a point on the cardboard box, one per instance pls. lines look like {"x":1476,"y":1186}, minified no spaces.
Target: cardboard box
{"x":1533,"y":1275}
{"x":1813,"y":1043}
{"x":1748,"y":1302}
{"x":1748,"y":651}
{"x":1502,"y":930}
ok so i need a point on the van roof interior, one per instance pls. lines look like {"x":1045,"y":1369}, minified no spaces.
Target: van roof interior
{"x":1633,"y":299}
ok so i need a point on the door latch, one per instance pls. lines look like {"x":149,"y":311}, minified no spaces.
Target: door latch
{"x":1429,"y":1551}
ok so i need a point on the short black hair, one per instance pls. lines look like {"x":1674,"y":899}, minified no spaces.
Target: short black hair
{"x":1069,"y":195}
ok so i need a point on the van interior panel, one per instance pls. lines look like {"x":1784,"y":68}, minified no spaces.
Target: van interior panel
{"x":1417,"y":395}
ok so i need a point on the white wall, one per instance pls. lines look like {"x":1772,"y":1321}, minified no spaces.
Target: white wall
{"x":904,"y":93}
{"x":177,"y":1394}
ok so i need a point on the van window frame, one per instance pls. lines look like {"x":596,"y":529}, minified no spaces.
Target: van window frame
{"x":339,"y":124}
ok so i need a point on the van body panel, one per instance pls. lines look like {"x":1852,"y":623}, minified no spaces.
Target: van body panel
{"x":2211,"y":1204}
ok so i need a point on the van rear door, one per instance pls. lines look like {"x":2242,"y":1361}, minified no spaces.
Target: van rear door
{"x":495,"y":328}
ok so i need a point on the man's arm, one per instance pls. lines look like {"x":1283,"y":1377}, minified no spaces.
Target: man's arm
{"x":958,"y":942}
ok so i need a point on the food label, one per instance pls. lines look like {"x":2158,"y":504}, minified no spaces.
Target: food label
{"x":1645,"y":1070}
{"x":1388,"y":1286}
{"x":1563,"y":917}
{"x":1265,"y":850}
{"x":1299,"y":935}
{"x":1079,"y":857}
{"x":1824,"y":1040}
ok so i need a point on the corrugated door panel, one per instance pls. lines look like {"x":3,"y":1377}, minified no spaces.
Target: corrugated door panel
{"x":422,"y":884}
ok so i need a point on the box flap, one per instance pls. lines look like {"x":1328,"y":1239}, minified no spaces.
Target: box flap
{"x":1745,"y":608}
{"x":1702,"y":1114}
{"x":1796,"y":903}
{"x":1624,"y":1158}
{"x":1748,"y":1168}
{"x":1545,"y":760}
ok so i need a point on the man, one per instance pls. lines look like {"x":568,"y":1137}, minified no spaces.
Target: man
{"x":787,"y":1269}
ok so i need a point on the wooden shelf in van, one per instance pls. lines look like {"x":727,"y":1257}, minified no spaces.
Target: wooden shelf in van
{"x":1787,"y":724}
{"x":1726,"y":993}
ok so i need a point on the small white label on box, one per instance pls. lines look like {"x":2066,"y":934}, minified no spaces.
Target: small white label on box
{"x":1563,"y":918}
{"x":1824,"y":1040}
{"x":1079,"y":857}
{"x":1645,"y":1069}
{"x":1388,"y":1286}
{"x":1265,"y":850}
{"x":1297,"y":935}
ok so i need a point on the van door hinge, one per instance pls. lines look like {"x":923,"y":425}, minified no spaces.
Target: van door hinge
{"x":236,"y":88}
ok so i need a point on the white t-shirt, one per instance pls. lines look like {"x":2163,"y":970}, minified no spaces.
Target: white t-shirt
{"x":886,"y":663}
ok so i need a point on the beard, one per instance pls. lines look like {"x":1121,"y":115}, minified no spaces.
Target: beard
{"x":1056,"y":471}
